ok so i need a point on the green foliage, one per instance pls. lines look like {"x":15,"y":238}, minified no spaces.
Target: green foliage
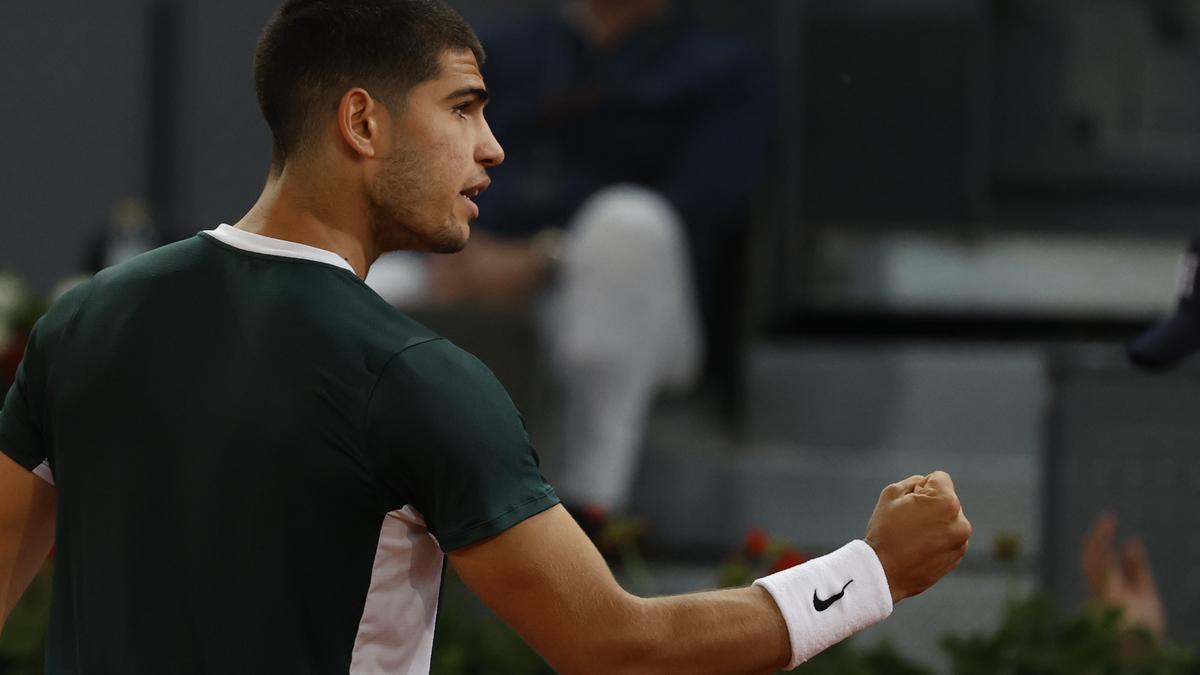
{"x":19,"y":308}
{"x":1036,"y":639}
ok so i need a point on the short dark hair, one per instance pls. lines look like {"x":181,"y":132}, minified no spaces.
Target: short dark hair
{"x":312,"y":51}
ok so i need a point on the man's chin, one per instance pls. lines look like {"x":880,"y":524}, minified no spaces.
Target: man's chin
{"x":448,"y":247}
{"x":457,"y":239}
{"x":452,"y":242}
{"x":448,"y":240}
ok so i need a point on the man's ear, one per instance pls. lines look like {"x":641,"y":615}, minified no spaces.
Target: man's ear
{"x":361,"y":122}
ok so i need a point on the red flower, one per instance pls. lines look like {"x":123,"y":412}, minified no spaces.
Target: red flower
{"x":788,"y":559}
{"x":756,"y":542}
{"x":11,"y":357}
{"x":595,"y":513}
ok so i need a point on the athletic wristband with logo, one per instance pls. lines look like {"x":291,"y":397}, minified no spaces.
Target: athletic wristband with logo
{"x":830,"y":598}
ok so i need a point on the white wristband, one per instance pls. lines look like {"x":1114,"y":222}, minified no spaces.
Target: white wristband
{"x":830,"y":598}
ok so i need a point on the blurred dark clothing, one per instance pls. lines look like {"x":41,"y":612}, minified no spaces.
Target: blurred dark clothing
{"x":673,"y":107}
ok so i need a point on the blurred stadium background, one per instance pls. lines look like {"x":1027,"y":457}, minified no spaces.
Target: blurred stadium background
{"x":971,"y":204}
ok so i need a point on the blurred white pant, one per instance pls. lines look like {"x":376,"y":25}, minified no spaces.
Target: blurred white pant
{"x":619,"y":325}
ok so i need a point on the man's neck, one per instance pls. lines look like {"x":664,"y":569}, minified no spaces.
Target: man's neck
{"x":293,"y":209}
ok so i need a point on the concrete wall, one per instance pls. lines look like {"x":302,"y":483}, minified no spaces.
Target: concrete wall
{"x":73,"y":110}
{"x":224,"y":146}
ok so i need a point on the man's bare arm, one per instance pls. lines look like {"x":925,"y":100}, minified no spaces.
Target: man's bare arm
{"x":546,"y":579}
{"x":27,"y":509}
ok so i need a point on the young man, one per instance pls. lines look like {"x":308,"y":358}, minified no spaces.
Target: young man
{"x":257,"y":464}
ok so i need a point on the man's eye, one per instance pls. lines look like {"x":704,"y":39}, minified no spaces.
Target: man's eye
{"x":461,"y":111}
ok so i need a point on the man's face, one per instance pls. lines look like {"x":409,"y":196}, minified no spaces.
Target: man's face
{"x":442,"y":146}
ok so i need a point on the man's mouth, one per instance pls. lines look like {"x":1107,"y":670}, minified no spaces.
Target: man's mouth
{"x":475,"y":190}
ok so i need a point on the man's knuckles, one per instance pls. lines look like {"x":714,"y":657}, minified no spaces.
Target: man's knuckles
{"x":939,"y":508}
{"x":963,"y":526}
{"x":941,"y":480}
{"x":951,"y":507}
{"x":900,"y":488}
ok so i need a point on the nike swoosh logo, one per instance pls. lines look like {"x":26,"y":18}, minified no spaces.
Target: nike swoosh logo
{"x":822,"y":605}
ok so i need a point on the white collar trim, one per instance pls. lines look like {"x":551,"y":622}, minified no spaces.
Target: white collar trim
{"x":257,"y":243}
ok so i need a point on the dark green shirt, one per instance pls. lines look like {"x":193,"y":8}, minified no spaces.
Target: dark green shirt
{"x":259,"y":463}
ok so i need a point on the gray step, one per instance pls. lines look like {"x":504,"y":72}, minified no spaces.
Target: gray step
{"x":819,"y":499}
{"x":977,"y":398}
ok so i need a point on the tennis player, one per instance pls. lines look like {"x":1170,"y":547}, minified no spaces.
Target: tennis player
{"x":250,"y":463}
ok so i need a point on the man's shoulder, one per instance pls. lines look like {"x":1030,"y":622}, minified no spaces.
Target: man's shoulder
{"x":143,"y":270}
{"x":300,"y":296}
{"x":164,"y":258}
{"x":147,"y":270}
{"x":438,"y":360}
{"x":444,"y":373}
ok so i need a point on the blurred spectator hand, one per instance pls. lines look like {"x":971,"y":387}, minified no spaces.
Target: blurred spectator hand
{"x":492,"y":271}
{"x":1123,"y":581}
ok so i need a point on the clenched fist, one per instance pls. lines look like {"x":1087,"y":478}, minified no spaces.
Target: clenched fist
{"x":919,"y":532}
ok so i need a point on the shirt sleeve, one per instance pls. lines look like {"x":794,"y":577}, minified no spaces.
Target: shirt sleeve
{"x":21,"y":432}
{"x":446,"y":436}
{"x":25,"y":419}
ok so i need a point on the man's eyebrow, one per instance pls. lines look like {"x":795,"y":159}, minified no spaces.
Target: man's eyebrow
{"x":478,"y":93}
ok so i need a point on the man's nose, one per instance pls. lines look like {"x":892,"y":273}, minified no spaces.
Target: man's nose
{"x":489,"y":152}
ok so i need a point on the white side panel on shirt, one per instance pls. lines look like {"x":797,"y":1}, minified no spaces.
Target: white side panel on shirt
{"x":395,"y":635}
{"x":43,"y":471}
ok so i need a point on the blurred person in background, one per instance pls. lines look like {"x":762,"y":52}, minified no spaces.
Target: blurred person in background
{"x":638,"y":138}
